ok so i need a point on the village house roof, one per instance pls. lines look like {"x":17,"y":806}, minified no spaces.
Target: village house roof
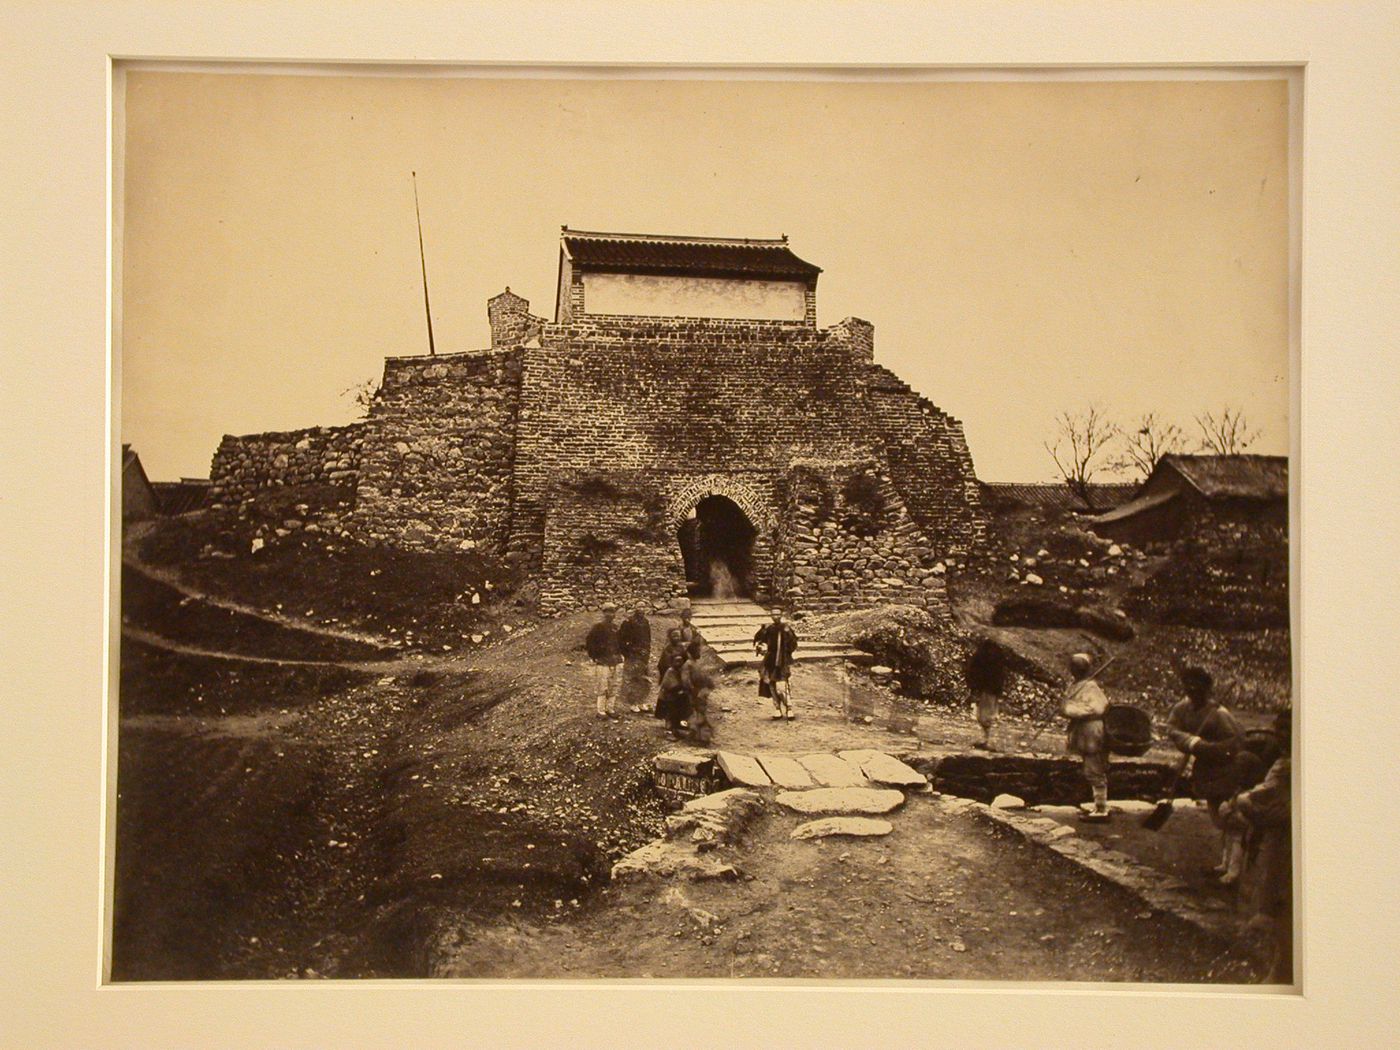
{"x":1240,"y":477}
{"x":1233,"y":477}
{"x":765,"y":260}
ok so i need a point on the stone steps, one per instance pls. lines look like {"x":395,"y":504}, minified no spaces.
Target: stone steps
{"x":729,"y":624}
{"x":744,"y":656}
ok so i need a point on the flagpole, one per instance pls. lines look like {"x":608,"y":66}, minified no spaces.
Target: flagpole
{"x":423,"y":262}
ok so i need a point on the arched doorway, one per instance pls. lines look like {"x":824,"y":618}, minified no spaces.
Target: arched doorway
{"x":717,"y":541}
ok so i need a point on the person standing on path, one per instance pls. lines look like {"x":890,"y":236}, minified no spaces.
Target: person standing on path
{"x":1266,"y":811}
{"x":689,"y":632}
{"x":605,"y":660}
{"x":985,"y":673}
{"x":672,"y":704}
{"x":1085,"y":704}
{"x":697,"y":683}
{"x":776,"y":642}
{"x":1207,"y":733}
{"x":634,"y":639}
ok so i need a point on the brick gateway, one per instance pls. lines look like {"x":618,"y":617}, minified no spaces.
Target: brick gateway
{"x":710,"y":432}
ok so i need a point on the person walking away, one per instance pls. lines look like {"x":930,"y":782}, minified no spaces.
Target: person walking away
{"x":634,"y":639}
{"x":698,"y":684}
{"x":776,"y":642}
{"x":1265,"y":810}
{"x":605,"y":660}
{"x":985,"y":673}
{"x":1085,"y":704}
{"x":1207,"y":733}
{"x":671,"y":704}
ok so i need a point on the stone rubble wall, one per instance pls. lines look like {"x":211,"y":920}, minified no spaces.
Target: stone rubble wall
{"x":437,"y":464}
{"x":847,"y":541}
{"x":245,"y":464}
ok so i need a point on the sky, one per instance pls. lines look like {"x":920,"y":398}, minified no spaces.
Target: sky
{"x":1022,"y":248}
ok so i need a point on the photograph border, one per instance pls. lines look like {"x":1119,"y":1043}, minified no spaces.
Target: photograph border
{"x":1343,"y":46}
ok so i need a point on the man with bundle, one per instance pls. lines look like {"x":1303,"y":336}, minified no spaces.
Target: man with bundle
{"x":1085,"y":704}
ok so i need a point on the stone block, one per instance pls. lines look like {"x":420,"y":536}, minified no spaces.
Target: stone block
{"x":831,"y":771}
{"x":742,"y":769}
{"x":842,"y":800}
{"x":785,"y":771}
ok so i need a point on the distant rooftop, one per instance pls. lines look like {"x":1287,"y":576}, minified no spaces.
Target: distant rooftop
{"x":737,"y":257}
{"x":1234,"y":477}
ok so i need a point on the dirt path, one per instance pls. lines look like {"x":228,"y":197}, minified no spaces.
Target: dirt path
{"x":941,"y":897}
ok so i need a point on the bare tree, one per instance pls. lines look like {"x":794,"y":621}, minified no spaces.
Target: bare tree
{"x":1147,"y":442}
{"x":1081,"y":447}
{"x":1226,"y":434}
{"x":362,"y":394}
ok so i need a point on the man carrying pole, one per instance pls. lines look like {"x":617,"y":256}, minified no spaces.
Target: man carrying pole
{"x":1085,"y":704}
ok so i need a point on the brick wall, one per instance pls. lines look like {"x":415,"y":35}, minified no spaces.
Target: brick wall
{"x":929,"y":464}
{"x":320,"y":455}
{"x":436,"y":467}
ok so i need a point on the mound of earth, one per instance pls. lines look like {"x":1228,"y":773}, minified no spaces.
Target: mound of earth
{"x":320,"y":573}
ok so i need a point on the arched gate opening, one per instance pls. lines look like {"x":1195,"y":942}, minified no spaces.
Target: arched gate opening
{"x":717,"y":540}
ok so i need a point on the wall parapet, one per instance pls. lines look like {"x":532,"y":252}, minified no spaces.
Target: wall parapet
{"x":245,"y":464}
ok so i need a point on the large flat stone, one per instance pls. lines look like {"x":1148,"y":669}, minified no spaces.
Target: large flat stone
{"x":830,"y":771}
{"x":723,"y":800}
{"x":671,"y":860}
{"x":785,"y":771}
{"x":819,"y":829}
{"x":885,"y":769}
{"x":842,"y":800}
{"x":742,"y":769}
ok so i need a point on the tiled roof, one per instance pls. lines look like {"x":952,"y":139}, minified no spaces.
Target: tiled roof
{"x":1054,"y":495}
{"x":180,"y":497}
{"x":685,"y":256}
{"x":1234,"y":477}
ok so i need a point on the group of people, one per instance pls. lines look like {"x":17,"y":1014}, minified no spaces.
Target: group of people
{"x":619,"y":655}
{"x":1244,"y":782}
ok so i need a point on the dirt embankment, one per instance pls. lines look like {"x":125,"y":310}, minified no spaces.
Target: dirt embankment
{"x":278,"y":822}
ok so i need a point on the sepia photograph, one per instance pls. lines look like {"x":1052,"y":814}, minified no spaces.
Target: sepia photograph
{"x":705,"y":524}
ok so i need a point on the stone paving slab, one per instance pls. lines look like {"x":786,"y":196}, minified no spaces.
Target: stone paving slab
{"x":860,"y":826}
{"x":785,"y":771}
{"x":743,"y":769}
{"x":842,"y":800}
{"x":831,"y":771}
{"x":885,"y":769}
{"x":688,"y":761}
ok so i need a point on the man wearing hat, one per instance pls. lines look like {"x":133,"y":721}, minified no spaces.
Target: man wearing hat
{"x":605,"y":656}
{"x":1085,"y":704}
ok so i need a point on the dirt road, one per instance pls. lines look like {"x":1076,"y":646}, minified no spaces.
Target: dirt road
{"x":942,"y":897}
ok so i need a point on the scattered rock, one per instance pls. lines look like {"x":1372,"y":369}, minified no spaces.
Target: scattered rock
{"x":1033,"y":579}
{"x":1008,"y":802}
{"x":827,"y":826}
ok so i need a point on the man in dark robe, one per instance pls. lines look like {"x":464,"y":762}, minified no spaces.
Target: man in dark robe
{"x":634,"y":639}
{"x":776,"y":642}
